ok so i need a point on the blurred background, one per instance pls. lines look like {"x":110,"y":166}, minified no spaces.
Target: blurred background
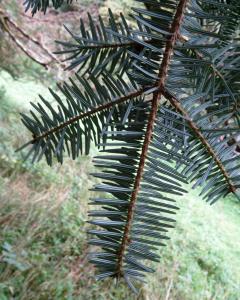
{"x":43,"y":210}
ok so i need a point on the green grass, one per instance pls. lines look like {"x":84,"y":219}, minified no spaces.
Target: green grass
{"x":20,"y":92}
{"x":204,"y":252}
{"x":43,"y":213}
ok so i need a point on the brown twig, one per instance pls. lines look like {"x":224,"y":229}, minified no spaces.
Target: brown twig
{"x":20,"y":46}
{"x":6,"y":20}
{"x":10,"y":21}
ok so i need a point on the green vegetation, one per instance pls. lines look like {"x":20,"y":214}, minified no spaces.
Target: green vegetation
{"x":43,"y":213}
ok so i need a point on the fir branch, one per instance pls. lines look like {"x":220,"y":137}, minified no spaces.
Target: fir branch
{"x":89,"y":113}
{"x":201,"y":137}
{"x":150,"y":125}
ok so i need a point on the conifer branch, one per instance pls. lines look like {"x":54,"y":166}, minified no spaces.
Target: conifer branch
{"x":201,"y":137}
{"x":89,"y":113}
{"x":149,"y":131}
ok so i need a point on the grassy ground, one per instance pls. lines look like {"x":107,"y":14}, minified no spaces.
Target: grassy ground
{"x":43,"y":213}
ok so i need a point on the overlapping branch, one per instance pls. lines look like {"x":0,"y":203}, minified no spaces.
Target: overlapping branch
{"x":176,"y":103}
